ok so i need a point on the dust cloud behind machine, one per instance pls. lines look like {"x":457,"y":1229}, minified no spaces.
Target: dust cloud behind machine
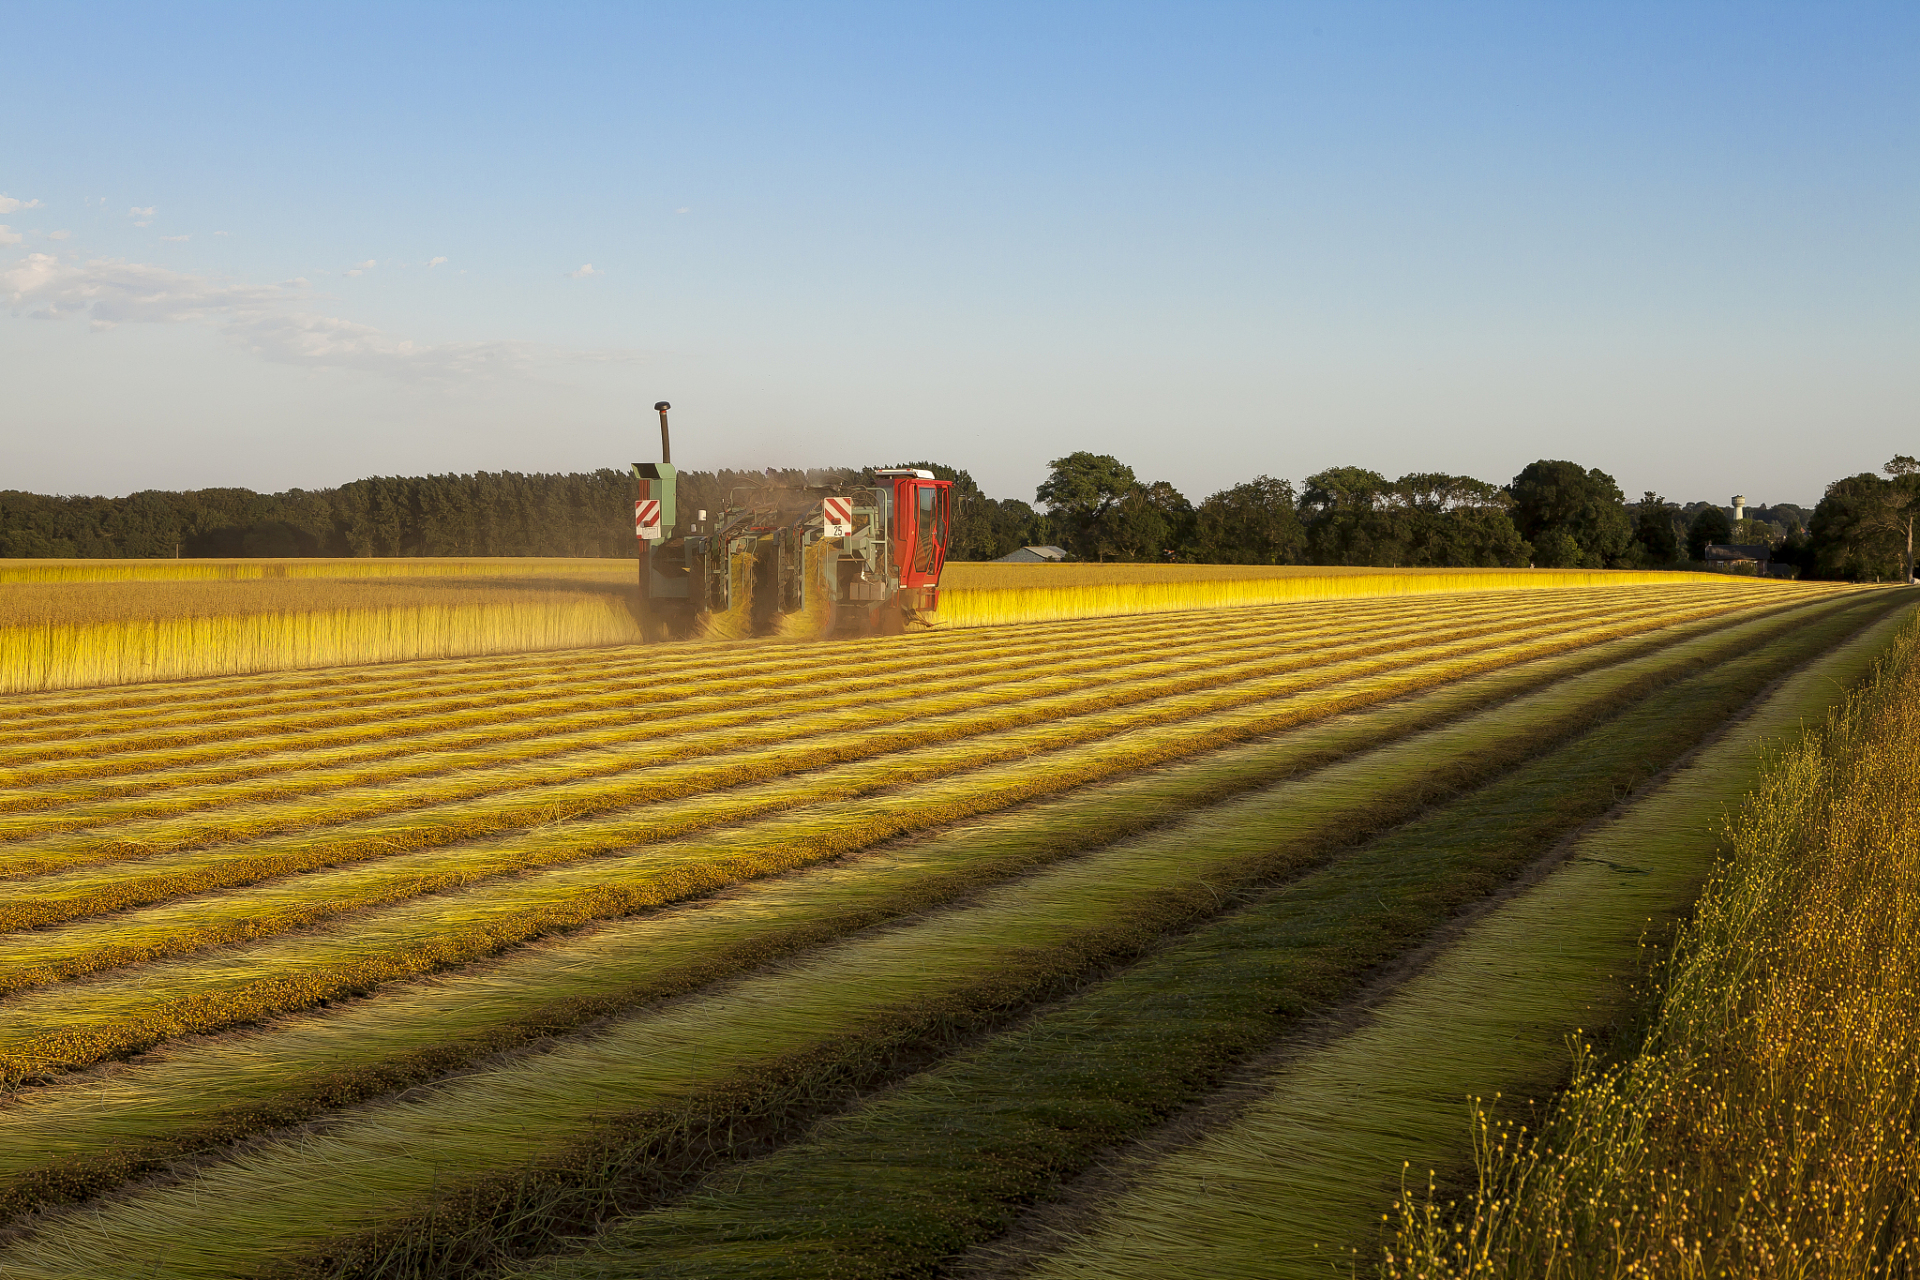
{"x":814,"y":560}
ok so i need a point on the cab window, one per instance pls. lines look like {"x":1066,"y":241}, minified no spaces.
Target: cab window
{"x":927,"y":537}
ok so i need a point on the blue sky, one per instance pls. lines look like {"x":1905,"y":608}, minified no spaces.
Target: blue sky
{"x":293,"y":245}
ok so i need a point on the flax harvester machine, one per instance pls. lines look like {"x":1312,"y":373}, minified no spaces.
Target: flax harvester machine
{"x":814,"y":561}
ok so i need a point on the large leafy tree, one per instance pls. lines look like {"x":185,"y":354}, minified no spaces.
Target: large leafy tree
{"x":1709,"y":526}
{"x":1082,"y":492}
{"x":1899,"y":507}
{"x":1251,"y":523}
{"x":1455,"y":522}
{"x":1350,"y":517}
{"x":1571,"y":513}
{"x":1864,"y":526}
{"x":1151,"y":521}
{"x":1654,"y":530}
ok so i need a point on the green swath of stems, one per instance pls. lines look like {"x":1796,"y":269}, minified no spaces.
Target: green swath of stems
{"x":985,"y":733}
{"x":1174,"y":729}
{"x":855,"y":1005}
{"x":691,"y":726}
{"x":391,"y":1041}
{"x":946,"y":1160}
{"x":1307,"y":1172}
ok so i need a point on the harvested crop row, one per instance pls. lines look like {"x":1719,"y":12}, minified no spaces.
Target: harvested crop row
{"x":691,"y":725}
{"x":1316,"y":1159}
{"x":947,"y":1160}
{"x":636,"y":684}
{"x":72,"y":1026}
{"x":280,"y":1075}
{"x":840,"y":1008}
{"x":982,"y":735}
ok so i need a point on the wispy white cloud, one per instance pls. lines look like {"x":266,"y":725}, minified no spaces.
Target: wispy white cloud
{"x":176,"y":239}
{"x":144,"y":216}
{"x":58,"y":235}
{"x":107,"y":293}
{"x":8,"y":235}
{"x":8,"y":204}
{"x":586,"y":269}
{"x":360,"y":267}
{"x":683,"y":209}
{"x":223,"y":233}
{"x":434,"y":262}
{"x":274,"y":321}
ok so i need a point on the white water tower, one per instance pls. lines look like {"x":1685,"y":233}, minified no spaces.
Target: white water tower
{"x":1739,"y":507}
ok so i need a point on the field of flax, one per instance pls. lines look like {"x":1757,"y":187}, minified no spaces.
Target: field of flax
{"x":824,"y":959}
{"x":67,"y":624}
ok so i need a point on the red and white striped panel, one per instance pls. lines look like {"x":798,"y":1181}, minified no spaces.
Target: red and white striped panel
{"x":836,"y":515}
{"x":646,"y":518}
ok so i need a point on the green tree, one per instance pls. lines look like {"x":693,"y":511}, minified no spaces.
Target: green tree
{"x":1863,"y":527}
{"x":1082,"y":491}
{"x":1251,"y":523}
{"x":1848,"y":535}
{"x":1653,"y":529}
{"x":1899,"y":506}
{"x":1455,"y":522}
{"x":1586,"y":505}
{"x":1556,"y":549}
{"x":1349,"y":518}
{"x":1710,"y":527}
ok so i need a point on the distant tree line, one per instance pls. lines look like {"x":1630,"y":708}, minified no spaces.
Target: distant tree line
{"x":1554,"y":514}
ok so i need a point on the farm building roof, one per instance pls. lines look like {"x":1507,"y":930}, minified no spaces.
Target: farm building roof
{"x":1760,"y":553}
{"x":1033,"y":555}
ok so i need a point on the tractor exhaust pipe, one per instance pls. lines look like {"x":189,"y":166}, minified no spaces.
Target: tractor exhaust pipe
{"x":666,"y":449}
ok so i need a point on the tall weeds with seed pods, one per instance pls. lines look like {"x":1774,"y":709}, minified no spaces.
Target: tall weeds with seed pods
{"x":1769,"y":1124}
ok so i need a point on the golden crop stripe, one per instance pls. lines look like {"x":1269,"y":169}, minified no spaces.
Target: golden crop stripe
{"x":931,"y":795}
{"x":636,"y":675}
{"x":988,"y":735}
{"x":528,"y":738}
{"x":367,"y":1167}
{"x":662,"y":698}
{"x":549,"y":784}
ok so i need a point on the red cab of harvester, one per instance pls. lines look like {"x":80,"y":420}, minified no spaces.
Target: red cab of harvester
{"x":812,"y":560}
